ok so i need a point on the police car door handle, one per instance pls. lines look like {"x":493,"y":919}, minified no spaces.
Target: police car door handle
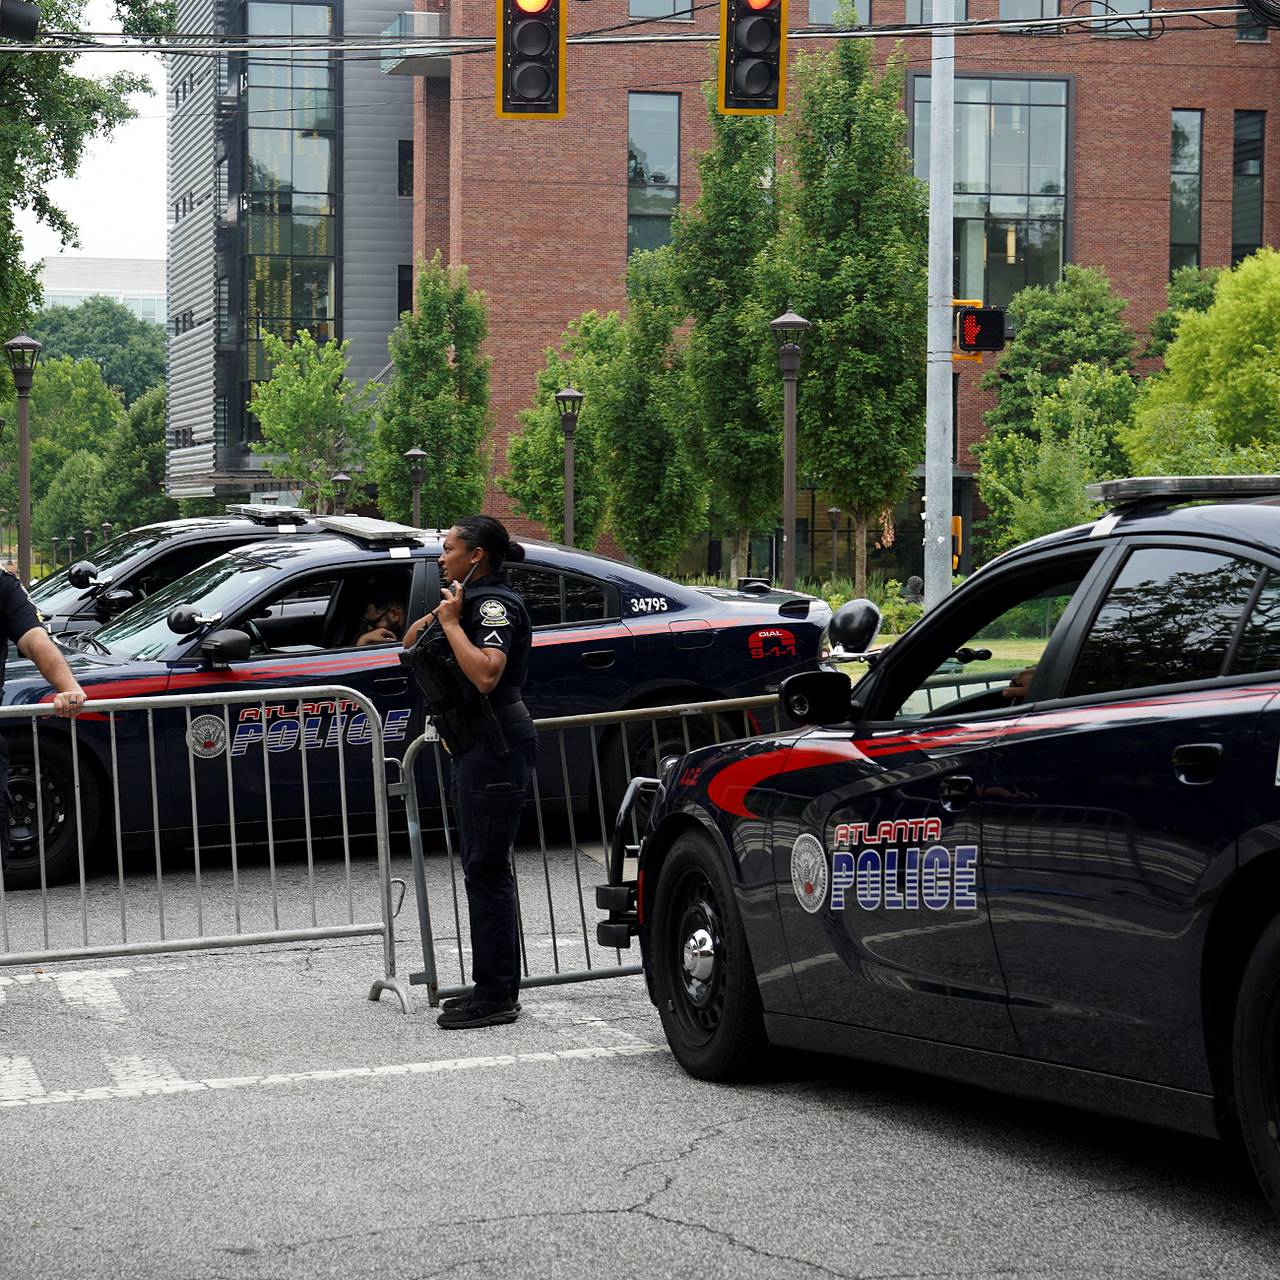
{"x":955,"y":792}
{"x":1196,"y":763}
{"x":390,"y":684}
{"x":599,"y":657}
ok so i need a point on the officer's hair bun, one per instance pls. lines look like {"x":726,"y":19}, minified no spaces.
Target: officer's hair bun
{"x":515,"y":552}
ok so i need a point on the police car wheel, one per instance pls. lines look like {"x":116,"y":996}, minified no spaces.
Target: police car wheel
{"x":56,"y":813}
{"x":703,"y":977}
{"x":1256,"y":1056}
{"x":645,"y":756}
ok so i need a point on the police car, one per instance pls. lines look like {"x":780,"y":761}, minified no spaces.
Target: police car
{"x":289,"y":612}
{"x":137,"y":564}
{"x":1060,"y":882}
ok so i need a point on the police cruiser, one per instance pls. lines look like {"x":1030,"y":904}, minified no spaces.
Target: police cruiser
{"x":1036,"y":847}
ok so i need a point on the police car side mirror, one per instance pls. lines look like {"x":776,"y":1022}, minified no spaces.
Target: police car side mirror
{"x":854,"y":627}
{"x":83,"y":574}
{"x":817,"y":697}
{"x":112,"y":602}
{"x":221,"y":648}
{"x":183,"y":619}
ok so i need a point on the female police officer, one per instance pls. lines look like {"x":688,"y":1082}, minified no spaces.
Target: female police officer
{"x":488,"y":629}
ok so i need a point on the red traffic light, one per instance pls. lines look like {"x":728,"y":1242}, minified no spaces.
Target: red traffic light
{"x":980,"y":329}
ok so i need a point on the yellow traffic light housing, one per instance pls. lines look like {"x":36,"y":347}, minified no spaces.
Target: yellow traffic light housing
{"x":530,"y":59}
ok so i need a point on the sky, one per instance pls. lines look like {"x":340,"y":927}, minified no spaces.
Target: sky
{"x":117,"y":197}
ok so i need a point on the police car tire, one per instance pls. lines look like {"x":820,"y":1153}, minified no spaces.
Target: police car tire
{"x":643,"y":761}
{"x":57,"y":780}
{"x":724,"y":1039}
{"x":1256,"y":1058}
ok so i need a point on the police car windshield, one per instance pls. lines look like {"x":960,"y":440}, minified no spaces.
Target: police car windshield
{"x":55,"y":594}
{"x":143,"y":632}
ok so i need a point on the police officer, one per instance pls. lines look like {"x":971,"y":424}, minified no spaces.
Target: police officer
{"x":488,"y":629}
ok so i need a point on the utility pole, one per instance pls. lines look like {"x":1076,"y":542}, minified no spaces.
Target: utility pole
{"x":938,"y":410}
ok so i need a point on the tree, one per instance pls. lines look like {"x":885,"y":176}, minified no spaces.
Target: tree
{"x":68,"y":506}
{"x":437,"y":400}
{"x":713,"y":244}
{"x":657,"y":495}
{"x":850,"y":256}
{"x":589,"y":350}
{"x":1189,"y":289}
{"x":48,"y":113}
{"x":130,"y":489}
{"x":1036,"y":479}
{"x":130,"y":352}
{"x":314,"y":422}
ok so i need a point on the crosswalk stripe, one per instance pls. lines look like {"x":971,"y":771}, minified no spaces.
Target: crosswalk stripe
{"x":18,"y":1081}
{"x":133,"y":1072}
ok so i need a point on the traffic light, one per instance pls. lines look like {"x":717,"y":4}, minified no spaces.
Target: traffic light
{"x":531,"y":38}
{"x":957,"y":542}
{"x":980,"y":328}
{"x":753,"y":57}
{"x":18,"y":21}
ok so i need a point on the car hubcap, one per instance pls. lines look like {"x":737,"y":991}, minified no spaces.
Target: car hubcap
{"x":25,"y":821}
{"x":697,"y":945}
{"x":699,"y":956}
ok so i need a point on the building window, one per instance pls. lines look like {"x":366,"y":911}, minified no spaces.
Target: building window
{"x":1012,"y":10}
{"x":1249,"y":28}
{"x":1123,"y":27}
{"x":920,"y":12}
{"x":404,"y":168}
{"x":404,"y":290}
{"x":680,"y":9}
{"x":1010,"y":182}
{"x":1184,"y":190}
{"x":822,"y":13}
{"x":653,"y":168}
{"x":1246,"y":184}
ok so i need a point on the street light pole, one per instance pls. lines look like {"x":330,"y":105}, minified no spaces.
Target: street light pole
{"x":23,"y":353}
{"x":569,"y":401}
{"x":106,"y":531}
{"x":340,"y":481}
{"x":788,"y":331}
{"x":833,"y":514}
{"x":414,"y":458}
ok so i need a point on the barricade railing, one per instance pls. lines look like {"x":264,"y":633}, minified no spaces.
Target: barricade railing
{"x":112,"y":777}
{"x":587,"y":758}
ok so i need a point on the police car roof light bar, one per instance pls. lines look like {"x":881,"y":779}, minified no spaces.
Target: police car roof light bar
{"x":1168,"y":490}
{"x":261,"y":513}
{"x":372,"y":532}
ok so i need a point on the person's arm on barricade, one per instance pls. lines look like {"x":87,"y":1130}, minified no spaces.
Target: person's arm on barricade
{"x":36,"y":644}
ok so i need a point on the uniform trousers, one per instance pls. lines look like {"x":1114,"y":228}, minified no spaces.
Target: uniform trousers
{"x":488,"y":795}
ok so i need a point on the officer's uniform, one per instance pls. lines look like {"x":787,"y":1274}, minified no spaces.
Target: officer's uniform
{"x":489,"y":790}
{"x":17,"y":616}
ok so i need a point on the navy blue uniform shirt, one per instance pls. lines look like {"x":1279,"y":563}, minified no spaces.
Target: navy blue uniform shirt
{"x":494,"y":617}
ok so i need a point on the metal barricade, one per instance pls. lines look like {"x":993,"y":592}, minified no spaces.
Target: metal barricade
{"x":561,"y":891}
{"x":112,"y":747}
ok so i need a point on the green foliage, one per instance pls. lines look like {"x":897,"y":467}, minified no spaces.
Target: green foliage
{"x":437,"y":400}
{"x":314,"y":422}
{"x":190,"y":508}
{"x":851,"y":256}
{"x":48,"y":113}
{"x":68,"y":506}
{"x":1217,"y":403}
{"x":657,"y":495}
{"x":1033,"y":482}
{"x":130,"y":352}
{"x":713,"y":243}
{"x":1189,"y":289}
{"x":130,"y":489}
{"x":589,"y":350}
{"x":897,"y":614}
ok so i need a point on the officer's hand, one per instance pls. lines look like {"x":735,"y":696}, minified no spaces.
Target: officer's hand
{"x":449,"y":609}
{"x":69,"y":702}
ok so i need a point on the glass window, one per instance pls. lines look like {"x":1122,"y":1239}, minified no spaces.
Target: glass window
{"x":1246,"y":184}
{"x":1184,"y":190}
{"x":920,"y":12}
{"x":822,"y":13}
{"x":1259,"y":648}
{"x":1168,"y":618}
{"x":1011,"y":10}
{"x":1122,"y":27}
{"x":540,"y":591}
{"x":404,"y":289}
{"x":404,"y":168}
{"x":586,"y":601}
{"x":653,"y":168}
{"x":1247,"y":28}
{"x":661,"y":9}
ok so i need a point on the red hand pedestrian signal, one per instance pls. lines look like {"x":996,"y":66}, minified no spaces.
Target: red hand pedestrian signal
{"x":969,"y":330}
{"x":980,"y":329}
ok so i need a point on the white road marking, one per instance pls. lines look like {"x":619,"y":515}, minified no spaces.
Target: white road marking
{"x":18,"y":1081}
{"x":438,"y":1067}
{"x":94,"y":991}
{"x":133,"y":1072}
{"x":570,"y":1019}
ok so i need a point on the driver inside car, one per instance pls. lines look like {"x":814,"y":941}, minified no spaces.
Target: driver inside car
{"x":1017,"y":688}
{"x":383,"y":620}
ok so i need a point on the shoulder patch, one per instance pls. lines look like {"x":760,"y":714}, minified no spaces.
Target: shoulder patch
{"x":494,"y":613}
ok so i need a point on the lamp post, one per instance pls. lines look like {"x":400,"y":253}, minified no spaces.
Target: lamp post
{"x":53,"y":542}
{"x":788,"y":332}
{"x":88,"y":540}
{"x":106,"y":531}
{"x":569,"y":402}
{"x":414,"y":458}
{"x":71,"y":548}
{"x":23,"y":353}
{"x":812,"y":490}
{"x":833,"y":514}
{"x":340,"y":481}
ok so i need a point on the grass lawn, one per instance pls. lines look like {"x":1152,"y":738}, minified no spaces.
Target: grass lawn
{"x":1006,"y":655}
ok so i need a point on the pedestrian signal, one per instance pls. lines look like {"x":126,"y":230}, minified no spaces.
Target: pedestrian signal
{"x":957,"y":542}
{"x":753,"y":57}
{"x":530,"y":70}
{"x":980,"y":328}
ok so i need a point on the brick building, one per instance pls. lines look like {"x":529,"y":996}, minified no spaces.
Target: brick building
{"x":1104,"y":149}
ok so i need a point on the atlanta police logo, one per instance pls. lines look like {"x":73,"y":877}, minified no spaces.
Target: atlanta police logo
{"x":207,"y":736}
{"x":809,"y":872}
{"x":493,"y":613}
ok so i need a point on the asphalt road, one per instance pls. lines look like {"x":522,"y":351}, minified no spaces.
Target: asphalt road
{"x":251,"y":1114}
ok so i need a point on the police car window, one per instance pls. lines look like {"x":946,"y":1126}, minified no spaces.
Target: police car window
{"x":1168,"y":618}
{"x":1259,"y":648}
{"x":540,"y":591}
{"x":55,"y":594}
{"x":176,"y":564}
{"x":586,"y":600}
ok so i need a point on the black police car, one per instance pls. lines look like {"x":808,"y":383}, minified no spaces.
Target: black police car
{"x":288,"y":613}
{"x":1060,"y":883}
{"x":137,"y":564}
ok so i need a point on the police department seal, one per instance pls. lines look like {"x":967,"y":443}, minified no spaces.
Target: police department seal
{"x":207,"y":736}
{"x":493,"y":613}
{"x":809,"y":872}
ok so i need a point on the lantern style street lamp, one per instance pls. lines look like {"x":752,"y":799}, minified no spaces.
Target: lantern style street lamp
{"x":569,"y":402}
{"x":788,"y":332}
{"x":23,"y":353}
{"x":106,"y":531}
{"x":414,"y":458}
{"x":341,"y":482}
